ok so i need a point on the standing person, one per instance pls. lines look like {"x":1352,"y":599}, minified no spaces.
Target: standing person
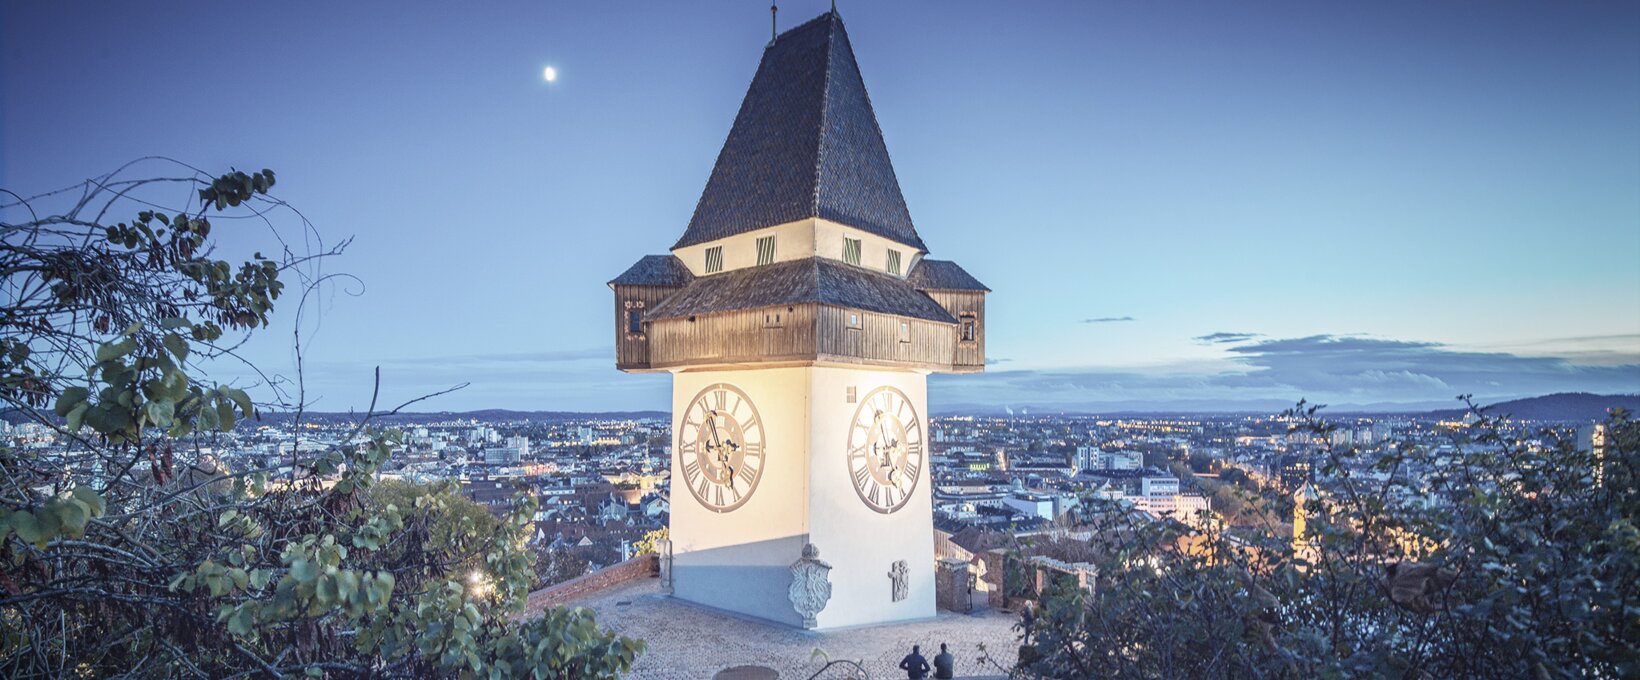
{"x":914,"y":665}
{"x":944,"y":664}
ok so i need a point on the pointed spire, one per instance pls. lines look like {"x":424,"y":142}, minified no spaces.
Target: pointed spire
{"x":804,"y":144}
{"x":774,"y":30}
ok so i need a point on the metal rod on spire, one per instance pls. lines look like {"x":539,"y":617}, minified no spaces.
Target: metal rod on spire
{"x":774,"y":8}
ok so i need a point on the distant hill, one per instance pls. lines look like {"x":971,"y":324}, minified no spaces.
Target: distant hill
{"x":1562,"y":406}
{"x":1552,"y":407}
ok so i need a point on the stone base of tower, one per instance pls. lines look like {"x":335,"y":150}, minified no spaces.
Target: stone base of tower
{"x":741,"y":560}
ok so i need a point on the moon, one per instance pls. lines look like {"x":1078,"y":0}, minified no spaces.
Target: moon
{"x":550,"y":74}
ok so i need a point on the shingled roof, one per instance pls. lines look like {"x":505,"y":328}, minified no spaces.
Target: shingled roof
{"x":942,"y":275}
{"x":800,"y":281}
{"x":655,"y":270}
{"x":805,"y":144}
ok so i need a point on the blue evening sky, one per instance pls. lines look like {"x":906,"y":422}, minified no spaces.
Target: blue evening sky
{"x":1177,"y":203}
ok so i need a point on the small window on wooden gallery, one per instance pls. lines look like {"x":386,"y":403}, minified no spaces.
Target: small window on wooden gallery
{"x":905,"y":331}
{"x":771,"y":318}
{"x":634,"y":321}
{"x":970,"y":327}
{"x":893,"y":262}
{"x":851,"y":251}
{"x":854,"y":321}
{"x":765,"y":250}
{"x":714,"y":259}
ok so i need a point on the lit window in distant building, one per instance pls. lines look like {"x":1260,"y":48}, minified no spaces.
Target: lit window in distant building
{"x":905,"y":331}
{"x":854,"y":320}
{"x":714,"y":259}
{"x":851,"y":251}
{"x":765,"y":250}
{"x":894,"y":262}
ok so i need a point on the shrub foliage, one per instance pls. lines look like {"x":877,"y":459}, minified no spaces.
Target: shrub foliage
{"x":137,"y":553}
{"x":1502,"y":555}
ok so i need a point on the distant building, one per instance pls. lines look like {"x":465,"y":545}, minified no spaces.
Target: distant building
{"x":1593,"y":438}
{"x":1122,"y":460}
{"x":502,"y":455}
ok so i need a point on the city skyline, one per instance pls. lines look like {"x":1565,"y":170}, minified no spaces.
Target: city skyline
{"x":1220,"y":224}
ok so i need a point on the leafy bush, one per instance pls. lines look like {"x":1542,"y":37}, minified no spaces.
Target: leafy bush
{"x":135,"y":553}
{"x":1510,"y":556}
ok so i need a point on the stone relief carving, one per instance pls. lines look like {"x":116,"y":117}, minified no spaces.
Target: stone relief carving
{"x":898,"y":575}
{"x":811,"y":585}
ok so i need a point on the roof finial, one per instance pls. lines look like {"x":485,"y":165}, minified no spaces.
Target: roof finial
{"x":774,"y":8}
{"x":834,"y":7}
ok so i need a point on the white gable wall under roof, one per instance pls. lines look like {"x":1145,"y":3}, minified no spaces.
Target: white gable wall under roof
{"x":811,"y":237}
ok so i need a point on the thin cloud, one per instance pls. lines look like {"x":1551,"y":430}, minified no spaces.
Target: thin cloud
{"x":1225,"y":338}
{"x":1335,"y":369}
{"x":1108,"y":319}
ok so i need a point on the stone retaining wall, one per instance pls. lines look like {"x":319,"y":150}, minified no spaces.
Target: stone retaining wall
{"x":642,"y":566}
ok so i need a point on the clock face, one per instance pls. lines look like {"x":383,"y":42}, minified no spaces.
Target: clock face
{"x":720,"y":447}
{"x":885,"y":449}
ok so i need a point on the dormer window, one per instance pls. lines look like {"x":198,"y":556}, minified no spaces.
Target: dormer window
{"x":714,"y":259}
{"x":851,"y":251}
{"x":893,"y":262}
{"x":765,"y":250}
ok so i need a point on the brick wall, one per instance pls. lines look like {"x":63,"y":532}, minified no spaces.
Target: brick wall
{"x":642,"y":566}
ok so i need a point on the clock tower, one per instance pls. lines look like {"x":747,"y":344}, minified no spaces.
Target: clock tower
{"x":800,"y":318}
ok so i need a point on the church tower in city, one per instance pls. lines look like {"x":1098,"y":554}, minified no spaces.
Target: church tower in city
{"x":800,"y":320}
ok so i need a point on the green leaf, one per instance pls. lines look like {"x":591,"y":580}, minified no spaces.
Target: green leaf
{"x":73,"y":515}
{"x":302,"y":570}
{"x":224,"y":414}
{"x":243,"y":400}
{"x":115,"y":350}
{"x":91,"y":499}
{"x":70,"y":398}
{"x":160,"y":412}
{"x":174,"y":323}
{"x":77,"y":415}
{"x":177,"y":345}
{"x":28,"y":527}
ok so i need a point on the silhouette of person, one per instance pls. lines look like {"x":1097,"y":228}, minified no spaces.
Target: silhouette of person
{"x":944,"y":664}
{"x":914,"y":665}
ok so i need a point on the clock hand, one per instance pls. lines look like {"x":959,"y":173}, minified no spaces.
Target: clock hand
{"x":711,"y":423}
{"x":882,"y":437}
{"x":716,"y":447}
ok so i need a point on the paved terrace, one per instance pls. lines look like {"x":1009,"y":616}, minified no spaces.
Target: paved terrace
{"x":688,"y":642}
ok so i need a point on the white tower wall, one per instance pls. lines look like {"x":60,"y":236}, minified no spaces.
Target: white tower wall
{"x":740,"y":560}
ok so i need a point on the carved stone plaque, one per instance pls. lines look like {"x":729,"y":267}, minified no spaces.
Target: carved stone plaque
{"x":898,"y":575}
{"x":811,"y":585}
